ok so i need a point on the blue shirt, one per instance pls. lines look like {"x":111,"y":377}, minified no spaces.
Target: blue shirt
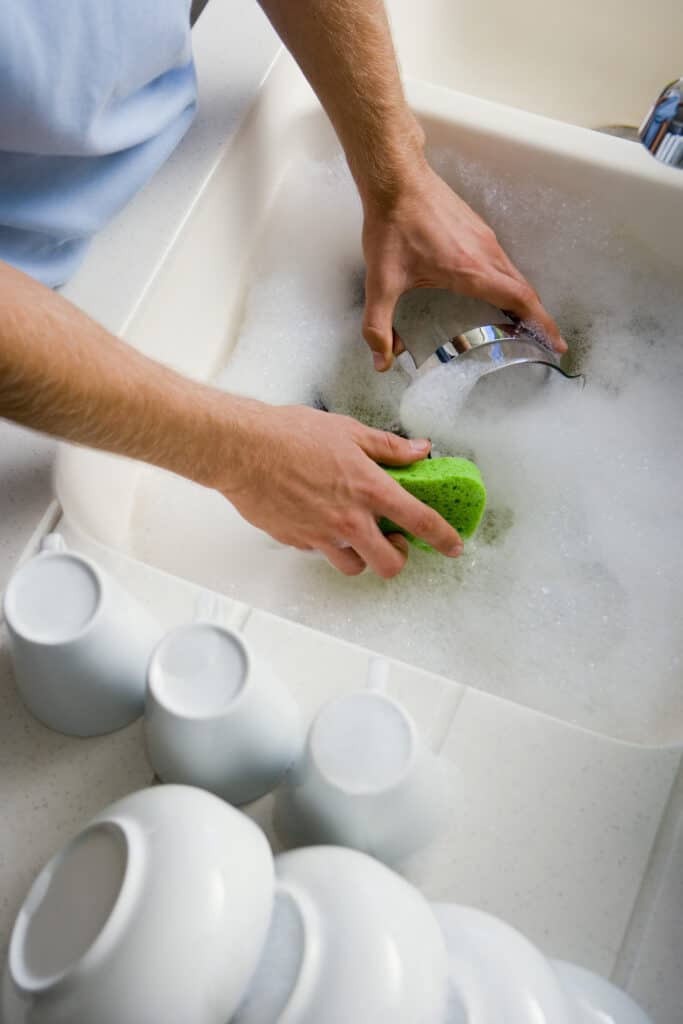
{"x":94,"y":96}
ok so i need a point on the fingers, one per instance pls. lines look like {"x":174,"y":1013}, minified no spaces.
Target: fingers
{"x":514,"y":293}
{"x":344,"y":559}
{"x":399,"y":542}
{"x":398,"y":343}
{"x":392,"y":450}
{"x":378,"y":331}
{"x":386,"y":556}
{"x":421,"y":520}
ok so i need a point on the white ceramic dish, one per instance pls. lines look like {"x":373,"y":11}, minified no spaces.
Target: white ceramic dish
{"x":80,"y":644}
{"x":217,"y":716}
{"x":498,"y":975}
{"x":137,"y":918}
{"x":598,"y":1000}
{"x":370,"y":948}
{"x":365,"y":780}
{"x":165,"y":908}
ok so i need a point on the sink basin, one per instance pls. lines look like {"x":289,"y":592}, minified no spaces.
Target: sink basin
{"x":590,"y":64}
{"x":560,"y":709}
{"x":591,"y":220}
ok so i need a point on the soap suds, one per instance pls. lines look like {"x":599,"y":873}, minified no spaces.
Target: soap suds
{"x":569,"y":597}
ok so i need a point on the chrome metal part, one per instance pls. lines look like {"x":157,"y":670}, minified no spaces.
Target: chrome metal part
{"x":662,"y":130}
{"x":494,"y":347}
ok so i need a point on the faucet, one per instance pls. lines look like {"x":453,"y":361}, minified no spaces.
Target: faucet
{"x":662,"y":130}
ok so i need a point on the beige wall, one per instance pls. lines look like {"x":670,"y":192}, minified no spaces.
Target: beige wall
{"x":592,"y":62}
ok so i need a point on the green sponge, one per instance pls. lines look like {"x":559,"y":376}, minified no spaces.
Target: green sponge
{"x":453,"y":487}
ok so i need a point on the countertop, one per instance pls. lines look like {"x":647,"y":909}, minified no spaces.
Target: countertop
{"x":50,"y":784}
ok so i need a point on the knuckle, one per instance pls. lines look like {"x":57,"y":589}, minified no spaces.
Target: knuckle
{"x":526,"y":295}
{"x":345,"y":525}
{"x":488,"y":234}
{"x":424,"y":523}
{"x":390,"y":443}
{"x":369,"y":491}
{"x":374,"y":336}
{"x":390,"y":571}
{"x":390,"y":563}
{"x":352,"y":570}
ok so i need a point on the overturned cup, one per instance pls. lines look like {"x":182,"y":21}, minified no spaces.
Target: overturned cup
{"x":80,"y":643}
{"x":365,"y":780}
{"x":217,"y":716}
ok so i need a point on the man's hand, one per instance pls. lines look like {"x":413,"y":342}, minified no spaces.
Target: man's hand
{"x":308,"y":478}
{"x":311,"y":480}
{"x":427,"y":237}
{"x":417,"y":231}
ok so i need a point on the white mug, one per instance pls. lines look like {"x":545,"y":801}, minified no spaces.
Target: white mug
{"x":217,"y":716}
{"x":365,"y":780}
{"x":80,"y":643}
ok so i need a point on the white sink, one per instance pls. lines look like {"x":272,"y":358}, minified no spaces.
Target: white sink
{"x":563,"y":819}
{"x":569,"y":206}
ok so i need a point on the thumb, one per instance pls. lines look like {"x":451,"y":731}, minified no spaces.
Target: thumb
{"x":378,"y":324}
{"x":392,"y":450}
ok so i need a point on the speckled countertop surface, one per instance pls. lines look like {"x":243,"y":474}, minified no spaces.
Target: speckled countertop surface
{"x":51,"y":784}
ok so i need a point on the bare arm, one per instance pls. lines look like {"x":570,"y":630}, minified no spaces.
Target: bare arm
{"x":345,"y":50}
{"x":308,"y":478}
{"x":64,"y":374}
{"x":417,"y":232}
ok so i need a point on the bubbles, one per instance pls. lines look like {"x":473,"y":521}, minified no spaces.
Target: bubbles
{"x":301,"y":330}
{"x":431,"y":406}
{"x":569,"y":597}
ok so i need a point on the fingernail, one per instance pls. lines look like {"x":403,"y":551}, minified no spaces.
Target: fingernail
{"x":456,"y":550}
{"x":379,"y":360}
{"x":420,"y":446}
{"x":399,"y":542}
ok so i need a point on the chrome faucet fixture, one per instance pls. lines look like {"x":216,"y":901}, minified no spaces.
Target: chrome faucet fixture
{"x":662,"y":130}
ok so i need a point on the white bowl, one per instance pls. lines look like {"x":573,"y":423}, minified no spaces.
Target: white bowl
{"x":599,"y":1001}
{"x":498,"y":975}
{"x":156,"y":913}
{"x":351,"y":943}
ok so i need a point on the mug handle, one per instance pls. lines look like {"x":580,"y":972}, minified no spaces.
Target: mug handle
{"x":210,"y":607}
{"x":377,"y":677}
{"x":53,"y":542}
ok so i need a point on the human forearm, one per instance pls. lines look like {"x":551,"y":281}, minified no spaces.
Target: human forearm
{"x":345,"y":50}
{"x":306,"y":477}
{"x":416,"y":232}
{"x":64,"y":374}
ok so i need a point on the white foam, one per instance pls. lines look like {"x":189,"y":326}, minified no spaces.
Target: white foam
{"x":432,"y":404}
{"x":569,"y":598}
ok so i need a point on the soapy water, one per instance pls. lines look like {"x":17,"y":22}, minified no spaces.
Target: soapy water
{"x":432,"y":404}
{"x":569,"y":597}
